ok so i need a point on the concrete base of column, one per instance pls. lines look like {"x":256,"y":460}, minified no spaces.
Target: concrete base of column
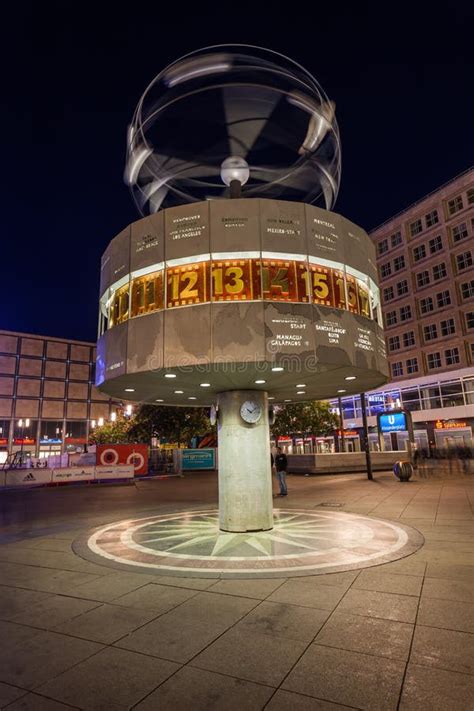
{"x":245,"y":477}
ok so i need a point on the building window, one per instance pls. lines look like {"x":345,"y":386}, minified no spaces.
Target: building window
{"x":412,"y":365}
{"x":434,"y":360}
{"x":439,"y":271}
{"x":452,"y":356}
{"x":470,"y":319}
{"x":422,"y":278}
{"x":459,"y":232}
{"x":385,"y":270}
{"x":419,"y":252}
{"x":399,"y":263}
{"x":443,"y":299}
{"x":396,"y":239}
{"x":415,"y":228}
{"x":467,"y":289}
{"x":394,"y":343}
{"x":426,"y":305}
{"x":463,"y":260}
{"x":402,"y":287}
{"x":397,"y":369}
{"x":455,"y":205}
{"x":435,"y":244}
{"x":405,"y":313}
{"x":430,"y":332}
{"x":382,"y":247}
{"x":391,"y":318}
{"x":408,"y":339}
{"x":448,"y":327}
{"x":388,"y":293}
{"x":470,"y":196}
{"x":432,"y":218}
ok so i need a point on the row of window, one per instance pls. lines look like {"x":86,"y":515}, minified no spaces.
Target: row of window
{"x":424,"y":278}
{"x":426,"y":305}
{"x":398,"y":264}
{"x":433,"y":361}
{"x":395,"y":342}
{"x":432,"y":331}
{"x":463,"y":261}
{"x":430,"y":220}
{"x":434,"y":245}
{"x":410,"y":367}
{"x":389,"y":243}
{"x":457,"y":203}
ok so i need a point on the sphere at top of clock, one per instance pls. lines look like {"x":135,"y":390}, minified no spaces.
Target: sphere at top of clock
{"x":233,"y":101}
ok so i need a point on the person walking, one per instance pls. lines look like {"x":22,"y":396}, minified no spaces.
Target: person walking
{"x":281,"y":465}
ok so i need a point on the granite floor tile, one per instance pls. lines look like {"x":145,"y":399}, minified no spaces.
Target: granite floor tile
{"x":444,"y":649}
{"x":14,"y":600}
{"x":106,"y":623}
{"x":290,"y":621}
{"x":181,"y":582}
{"x":321,"y":596}
{"x":184,"y":631}
{"x":113,"y":679}
{"x":342,"y":580}
{"x":108,"y":587}
{"x":258,"y":589}
{"x":35,"y":702}
{"x":436,"y":690}
{"x":411,"y":565}
{"x":451,"y":572}
{"x":367,"y":635}
{"x":43,"y":657}
{"x":9,"y":693}
{"x":53,"y":611}
{"x":348,"y":678}
{"x":160,"y":598}
{"x":289,"y":701}
{"x":444,"y":589}
{"x":249,"y":655}
{"x":446,"y":614}
{"x":201,"y":690}
{"x":400,"y":608}
{"x":381,"y":581}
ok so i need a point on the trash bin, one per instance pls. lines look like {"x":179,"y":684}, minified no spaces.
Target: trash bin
{"x":403,"y":470}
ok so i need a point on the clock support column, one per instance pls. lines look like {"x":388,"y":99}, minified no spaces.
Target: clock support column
{"x":245,"y":477}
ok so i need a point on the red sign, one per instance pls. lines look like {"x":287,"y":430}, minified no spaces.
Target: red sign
{"x":111,"y":454}
{"x":76,"y":440}
{"x":3,"y":441}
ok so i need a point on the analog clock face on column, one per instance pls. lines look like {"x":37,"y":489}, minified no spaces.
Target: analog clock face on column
{"x":250,"y":412}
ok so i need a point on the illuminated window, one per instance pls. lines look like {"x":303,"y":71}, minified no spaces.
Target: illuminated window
{"x":455,"y":205}
{"x":463,"y":260}
{"x":405,"y":313}
{"x":435,"y":244}
{"x":459,"y":232}
{"x":452,"y":356}
{"x":448,"y":327}
{"x":430,"y":332}
{"x":147,"y":294}
{"x":415,"y":228}
{"x":412,"y":365}
{"x":419,"y":252}
{"x":439,"y":271}
{"x":433,"y":360}
{"x":397,"y":369}
{"x":432,"y":218}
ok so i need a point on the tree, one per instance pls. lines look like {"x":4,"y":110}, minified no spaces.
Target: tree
{"x":312,"y":417}
{"x":117,"y":432}
{"x":175,"y":424}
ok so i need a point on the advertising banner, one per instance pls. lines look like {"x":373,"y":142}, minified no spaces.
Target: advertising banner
{"x":28,"y":477}
{"x":124,"y":471}
{"x":73,"y":474}
{"x":194,"y":459}
{"x":113,"y":454}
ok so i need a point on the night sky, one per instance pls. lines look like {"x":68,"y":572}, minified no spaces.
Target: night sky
{"x":402,"y":82}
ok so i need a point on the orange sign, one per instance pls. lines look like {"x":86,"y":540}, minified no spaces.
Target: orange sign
{"x":449,"y":425}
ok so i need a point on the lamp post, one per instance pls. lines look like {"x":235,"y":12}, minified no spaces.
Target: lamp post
{"x":366,"y":437}
{"x":22,"y":424}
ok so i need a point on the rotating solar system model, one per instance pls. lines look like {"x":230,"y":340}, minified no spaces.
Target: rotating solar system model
{"x":238,"y":289}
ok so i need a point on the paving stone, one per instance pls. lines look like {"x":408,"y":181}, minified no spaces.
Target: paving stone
{"x":113,"y":679}
{"x":411,"y":565}
{"x":52,"y":611}
{"x":443,"y":589}
{"x":160,"y":598}
{"x":246,"y":654}
{"x":341,"y":580}
{"x":321,"y":596}
{"x":446,"y":570}
{"x":9,"y":693}
{"x":290,"y":621}
{"x":400,"y":608}
{"x":289,"y":701}
{"x":42,"y":657}
{"x":349,"y":678}
{"x":13,"y":601}
{"x":446,"y":649}
{"x":388,"y":582}
{"x":109,"y":587}
{"x":446,"y":614}
{"x":201,"y":690}
{"x":258,"y":589}
{"x":436,"y":690}
{"x":183,"y":632}
{"x":106,"y":623}
{"x":368,"y":635}
{"x":181,"y":582}
{"x":35,"y":702}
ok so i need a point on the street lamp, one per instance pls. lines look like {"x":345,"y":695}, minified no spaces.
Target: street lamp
{"x":22,"y":424}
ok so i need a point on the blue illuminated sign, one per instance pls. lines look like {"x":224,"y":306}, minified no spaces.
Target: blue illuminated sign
{"x":393,"y":422}
{"x":198,"y":459}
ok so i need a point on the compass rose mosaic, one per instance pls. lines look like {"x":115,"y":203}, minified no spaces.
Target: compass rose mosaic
{"x":300,"y":543}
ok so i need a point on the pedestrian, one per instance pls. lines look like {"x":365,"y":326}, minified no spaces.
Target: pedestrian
{"x":281,"y":465}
